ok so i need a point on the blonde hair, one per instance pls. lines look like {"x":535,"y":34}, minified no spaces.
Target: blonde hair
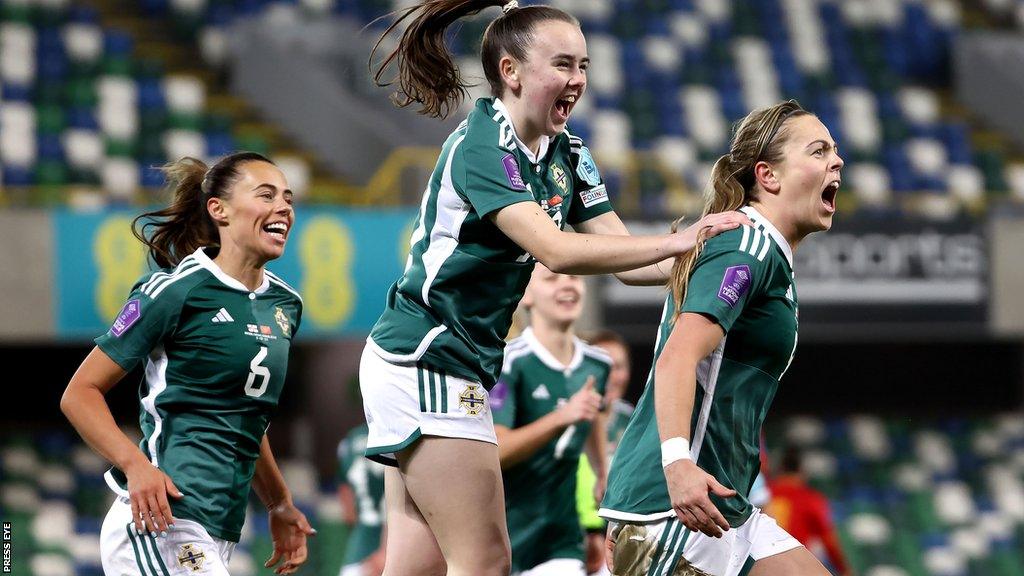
{"x":760,"y":136}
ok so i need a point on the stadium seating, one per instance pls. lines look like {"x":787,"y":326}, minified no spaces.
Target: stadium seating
{"x":80,"y":111}
{"x":913,"y":498}
{"x":669,"y":78}
{"x":909,"y":497}
{"x":52,"y":491}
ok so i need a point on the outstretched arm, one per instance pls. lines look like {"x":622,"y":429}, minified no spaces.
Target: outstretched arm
{"x":657,"y":274}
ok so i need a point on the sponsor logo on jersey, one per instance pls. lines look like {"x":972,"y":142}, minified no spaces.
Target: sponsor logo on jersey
{"x":594,"y":196}
{"x":282,"y":319}
{"x":511,"y":165}
{"x":472,"y":400}
{"x":560,"y":178}
{"x":541,"y":393}
{"x":223,"y":316}
{"x":191,"y":556}
{"x":735,"y":284}
{"x":498,"y":395}
{"x":587,"y":169}
{"x":128,"y":316}
{"x":260,"y":331}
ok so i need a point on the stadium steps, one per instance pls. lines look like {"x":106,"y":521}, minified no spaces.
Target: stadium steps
{"x":158,"y":42}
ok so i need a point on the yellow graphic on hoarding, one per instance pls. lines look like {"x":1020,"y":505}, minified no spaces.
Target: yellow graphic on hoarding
{"x":120,"y":260}
{"x":328,"y":288}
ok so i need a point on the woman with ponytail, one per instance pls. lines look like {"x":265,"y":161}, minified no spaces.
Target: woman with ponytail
{"x":506,"y":182}
{"x":213,"y":330}
{"x":677,"y":492}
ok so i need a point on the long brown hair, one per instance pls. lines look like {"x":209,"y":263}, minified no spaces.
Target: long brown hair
{"x":427,"y":75}
{"x":760,"y":136}
{"x":185,"y":226}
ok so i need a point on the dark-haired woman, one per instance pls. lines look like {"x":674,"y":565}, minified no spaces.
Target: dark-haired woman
{"x":507,"y":181}
{"x":212,"y":328}
{"x":677,"y":491}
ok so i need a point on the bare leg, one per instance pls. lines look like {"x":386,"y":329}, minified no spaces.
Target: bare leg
{"x":795,"y":562}
{"x":411,"y":547}
{"x":456,"y":485}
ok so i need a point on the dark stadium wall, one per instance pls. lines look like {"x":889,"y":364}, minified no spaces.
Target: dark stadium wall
{"x":921,"y":378}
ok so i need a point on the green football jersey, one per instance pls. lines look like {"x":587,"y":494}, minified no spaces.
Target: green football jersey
{"x":540,"y":492}
{"x":743,"y":279}
{"x":366,"y":478}
{"x":453,"y":305}
{"x":215,"y":356}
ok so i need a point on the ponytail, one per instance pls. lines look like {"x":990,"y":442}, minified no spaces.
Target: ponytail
{"x":427,"y":74}
{"x":759,"y":137}
{"x":185,"y":226}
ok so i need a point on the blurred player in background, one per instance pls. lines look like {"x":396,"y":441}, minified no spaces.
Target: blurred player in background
{"x":615,"y":415}
{"x":361,"y":491}
{"x":546,"y":405}
{"x":506,"y":182}
{"x":213,"y":329}
{"x":728,"y":334}
{"x":803,"y":511}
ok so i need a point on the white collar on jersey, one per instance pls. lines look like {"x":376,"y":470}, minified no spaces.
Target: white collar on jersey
{"x":206,"y":262}
{"x":766,"y":224}
{"x":545,"y":141}
{"x":548,"y":358}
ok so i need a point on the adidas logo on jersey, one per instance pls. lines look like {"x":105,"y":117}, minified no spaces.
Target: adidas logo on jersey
{"x":541,"y":393}
{"x":223,"y":316}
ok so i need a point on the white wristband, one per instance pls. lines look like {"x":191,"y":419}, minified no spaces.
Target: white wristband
{"x":675,"y":449}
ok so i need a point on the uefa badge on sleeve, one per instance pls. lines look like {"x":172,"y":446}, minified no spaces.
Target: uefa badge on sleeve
{"x":128,"y":316}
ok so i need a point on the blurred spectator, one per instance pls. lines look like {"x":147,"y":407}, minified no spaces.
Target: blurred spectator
{"x":616,"y":415}
{"x":803,"y":511}
{"x":361,"y":490}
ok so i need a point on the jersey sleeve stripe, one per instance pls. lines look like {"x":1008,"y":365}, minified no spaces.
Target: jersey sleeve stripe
{"x":745,"y":239}
{"x":756,"y":242}
{"x":276,"y":280}
{"x":175,"y":278}
{"x":597,"y":353}
{"x":512,"y":356}
{"x":764,"y":251}
{"x":160,"y":277}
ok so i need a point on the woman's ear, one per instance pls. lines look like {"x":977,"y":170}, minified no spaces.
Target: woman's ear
{"x":509,"y":69}
{"x":767,"y":177}
{"x":217,"y":208}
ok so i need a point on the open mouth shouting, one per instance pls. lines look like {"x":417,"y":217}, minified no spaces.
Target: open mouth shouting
{"x":828,"y":196}
{"x":564,"y":106}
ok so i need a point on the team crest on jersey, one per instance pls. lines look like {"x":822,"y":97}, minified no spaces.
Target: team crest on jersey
{"x":191,"y":556}
{"x":472,"y":400}
{"x":560,"y":178}
{"x":282,"y":319}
